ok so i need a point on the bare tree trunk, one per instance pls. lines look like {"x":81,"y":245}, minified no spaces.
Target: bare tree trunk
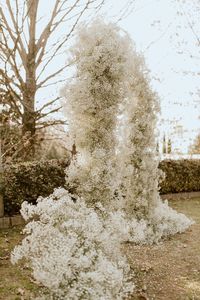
{"x":1,"y":206}
{"x":29,"y":114}
{"x":28,"y":119}
{"x":1,"y":185}
{"x":29,"y":125}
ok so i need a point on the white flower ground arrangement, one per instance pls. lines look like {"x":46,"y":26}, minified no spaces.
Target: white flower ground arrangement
{"x":73,"y":250}
{"x":73,"y":241}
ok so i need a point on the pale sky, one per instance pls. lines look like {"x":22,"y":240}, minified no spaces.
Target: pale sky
{"x":163,"y":35}
{"x":161,"y":31}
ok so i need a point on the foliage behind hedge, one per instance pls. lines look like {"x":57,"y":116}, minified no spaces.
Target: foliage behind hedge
{"x":28,"y":181}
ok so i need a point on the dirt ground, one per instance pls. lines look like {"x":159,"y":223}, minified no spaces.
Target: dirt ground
{"x":16,"y":282}
{"x":168,"y":271}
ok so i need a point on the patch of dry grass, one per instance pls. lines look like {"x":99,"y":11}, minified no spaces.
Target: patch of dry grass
{"x":16,"y":282}
{"x":171,"y":269}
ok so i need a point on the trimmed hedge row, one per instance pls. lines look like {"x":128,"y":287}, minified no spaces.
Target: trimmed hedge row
{"x":28,"y":181}
{"x":180,"y":176}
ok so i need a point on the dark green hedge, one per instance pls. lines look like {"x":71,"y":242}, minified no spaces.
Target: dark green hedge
{"x":28,"y":181}
{"x":181,"y":176}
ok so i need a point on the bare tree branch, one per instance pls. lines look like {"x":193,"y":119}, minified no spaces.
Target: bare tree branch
{"x":191,"y":26}
{"x":40,"y":84}
{"x":16,"y":26}
{"x":43,"y":115}
{"x":48,"y":104}
{"x":51,"y":123}
{"x":50,"y":28}
{"x":64,"y":41}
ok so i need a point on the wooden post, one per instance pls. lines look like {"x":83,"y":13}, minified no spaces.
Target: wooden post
{"x":1,"y":184}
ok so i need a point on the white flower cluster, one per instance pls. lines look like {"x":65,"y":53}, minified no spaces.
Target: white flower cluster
{"x":73,"y":250}
{"x":166,"y":222}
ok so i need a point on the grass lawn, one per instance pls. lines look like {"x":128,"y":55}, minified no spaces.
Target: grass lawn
{"x":167,"y":271}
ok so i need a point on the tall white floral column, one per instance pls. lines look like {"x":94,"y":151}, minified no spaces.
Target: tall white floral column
{"x":151,"y":218}
{"x":91,"y":104}
{"x":141,"y":174}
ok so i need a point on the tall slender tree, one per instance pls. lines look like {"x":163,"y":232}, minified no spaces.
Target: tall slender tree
{"x":29,"y":44}
{"x":164,"y":146}
{"x":195,"y":147}
{"x":169,"y":146}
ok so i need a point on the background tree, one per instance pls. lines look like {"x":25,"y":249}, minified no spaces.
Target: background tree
{"x":164,"y":148}
{"x":169,"y":146}
{"x":28,"y":46}
{"x":52,"y":143}
{"x":13,"y":145}
{"x":2,"y":108}
{"x":195,"y":148}
{"x":157,"y":147}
